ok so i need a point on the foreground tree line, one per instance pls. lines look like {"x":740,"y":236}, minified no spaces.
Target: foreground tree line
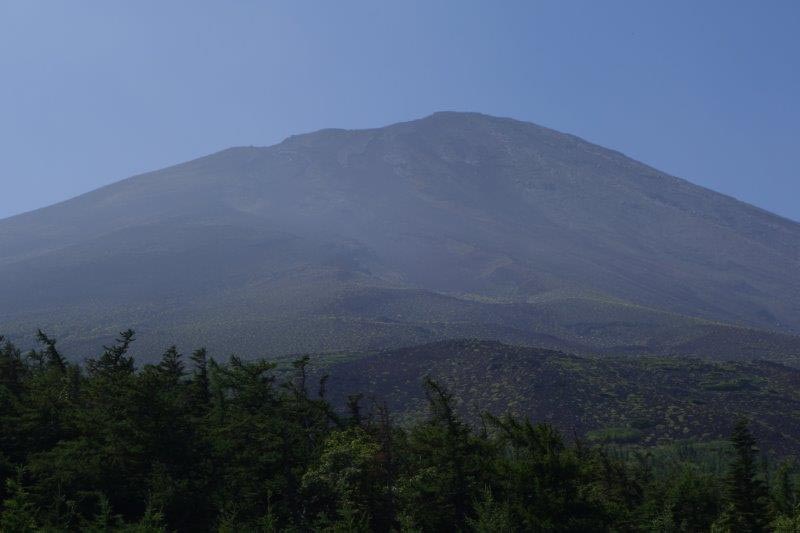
{"x":199,"y":445}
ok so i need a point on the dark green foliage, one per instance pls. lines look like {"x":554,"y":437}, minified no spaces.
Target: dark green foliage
{"x":745,"y":491}
{"x":114,"y":358}
{"x":255,"y":446}
{"x":448,"y":465}
{"x":18,"y":513}
{"x":50,"y":355}
{"x":546,"y":485}
{"x":685,"y":499}
{"x":785,"y":496}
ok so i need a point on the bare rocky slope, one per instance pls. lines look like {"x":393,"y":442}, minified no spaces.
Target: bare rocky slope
{"x":455,"y":225}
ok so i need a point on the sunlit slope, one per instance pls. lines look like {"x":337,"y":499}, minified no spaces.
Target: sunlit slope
{"x":455,"y":224}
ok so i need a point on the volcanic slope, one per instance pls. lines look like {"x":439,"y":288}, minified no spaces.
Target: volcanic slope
{"x":458,"y":224}
{"x":622,"y":400}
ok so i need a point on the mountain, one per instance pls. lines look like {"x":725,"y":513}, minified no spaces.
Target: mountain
{"x":624,"y":400}
{"x":455,"y":225}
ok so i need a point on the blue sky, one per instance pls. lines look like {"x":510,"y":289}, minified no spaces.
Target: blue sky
{"x":94,"y":91}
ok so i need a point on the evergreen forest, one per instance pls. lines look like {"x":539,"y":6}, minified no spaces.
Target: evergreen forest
{"x":195,"y":444}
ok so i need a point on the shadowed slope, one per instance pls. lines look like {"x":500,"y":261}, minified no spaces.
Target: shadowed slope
{"x":643,"y":400}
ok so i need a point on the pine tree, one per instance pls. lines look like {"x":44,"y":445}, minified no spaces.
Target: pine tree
{"x":745,"y":493}
{"x":18,"y":513}
{"x":785,"y":494}
{"x":200,"y":387}
{"x":171,"y":365}
{"x":448,"y":465}
{"x":114,"y":358}
{"x":13,"y":369}
{"x":347,"y":475}
{"x":50,"y":355}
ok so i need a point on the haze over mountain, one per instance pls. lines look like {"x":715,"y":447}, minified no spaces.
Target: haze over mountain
{"x":455,"y":225}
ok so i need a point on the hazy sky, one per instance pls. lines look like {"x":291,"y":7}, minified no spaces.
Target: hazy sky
{"x":95,"y":91}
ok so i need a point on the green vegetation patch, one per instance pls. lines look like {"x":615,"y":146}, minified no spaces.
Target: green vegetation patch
{"x":737,"y":384}
{"x":617,"y":435}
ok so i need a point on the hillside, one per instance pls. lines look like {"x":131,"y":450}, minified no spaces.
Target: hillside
{"x":458,"y":224}
{"x":641,"y":400}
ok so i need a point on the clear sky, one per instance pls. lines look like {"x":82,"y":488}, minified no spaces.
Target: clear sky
{"x":94,"y":91}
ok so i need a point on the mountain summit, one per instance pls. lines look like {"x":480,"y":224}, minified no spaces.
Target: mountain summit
{"x":456,"y":224}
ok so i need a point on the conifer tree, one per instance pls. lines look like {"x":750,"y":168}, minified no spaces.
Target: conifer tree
{"x":449,"y":465}
{"x":50,"y":354}
{"x":17,"y":512}
{"x":171,"y":365}
{"x":200,"y":388}
{"x":114,"y":358}
{"x":745,"y":492}
{"x":12,"y":367}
